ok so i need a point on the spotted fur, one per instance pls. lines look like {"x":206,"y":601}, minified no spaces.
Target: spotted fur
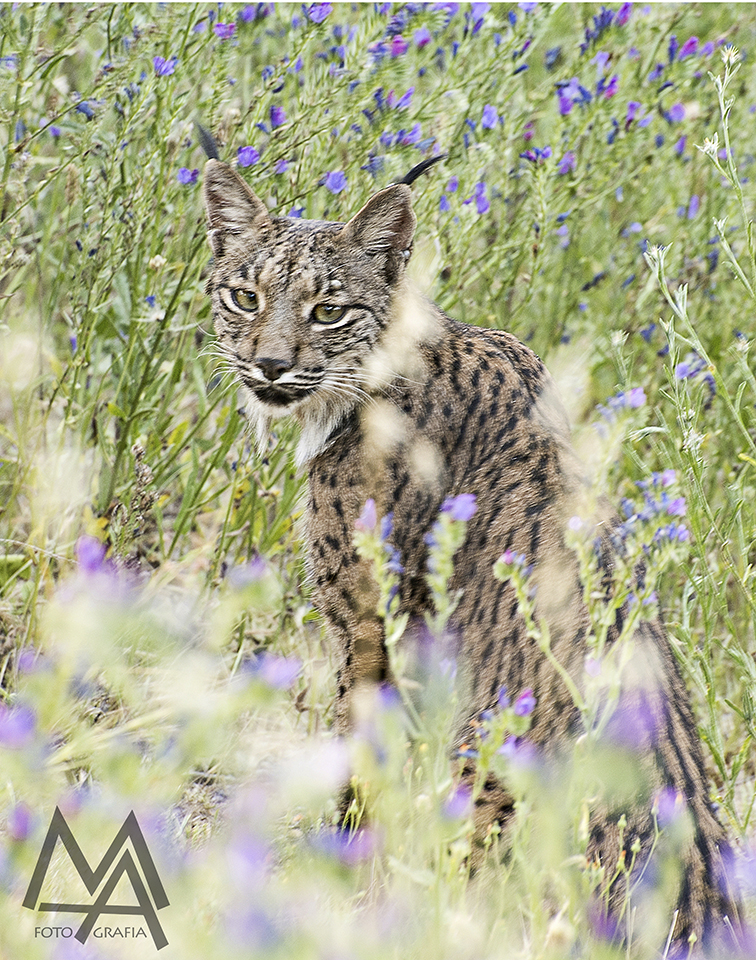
{"x":398,"y":402}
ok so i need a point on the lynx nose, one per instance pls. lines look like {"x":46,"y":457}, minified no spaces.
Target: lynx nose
{"x":272,"y":368}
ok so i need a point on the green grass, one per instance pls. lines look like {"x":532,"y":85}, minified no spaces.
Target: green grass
{"x":126,"y":682}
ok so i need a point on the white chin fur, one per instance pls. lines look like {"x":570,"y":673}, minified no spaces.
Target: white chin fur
{"x":316,"y":421}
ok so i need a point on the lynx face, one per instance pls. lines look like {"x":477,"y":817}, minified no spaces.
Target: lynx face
{"x":299,"y":305}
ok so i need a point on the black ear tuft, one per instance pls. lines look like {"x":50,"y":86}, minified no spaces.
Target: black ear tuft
{"x":207,"y":142}
{"x":420,"y":168}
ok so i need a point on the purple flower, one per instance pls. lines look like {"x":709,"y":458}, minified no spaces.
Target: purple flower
{"x":537,"y":154}
{"x":694,"y":206}
{"x":669,"y":805}
{"x":502,"y":699}
{"x":317,"y":12}
{"x":632,"y":111}
{"x":335,"y":181}
{"x":482,"y":204}
{"x":20,"y":820}
{"x":163,"y":67}
{"x":368,"y":519}
{"x":656,"y":72}
{"x":461,"y":507}
{"x":676,"y":113}
{"x":443,"y":204}
{"x":398,"y":46}
{"x":688,"y":48}
{"x":224,"y":31}
{"x":17,"y":726}
{"x":611,"y":87}
{"x":458,"y":804}
{"x":525,"y":704}
{"x":490,"y":117}
{"x":636,"y":397}
{"x":567,"y":163}
{"x":245,"y":574}
{"x":422,"y":37}
{"x":90,"y":554}
{"x":349,"y":848}
{"x":672,"y":49}
{"x":601,"y":59}
{"x":247,"y":156}
{"x":565,"y":104}
{"x":278,"y":672}
{"x":281,"y":166}
{"x":623,"y":14}
{"x":54,"y":131}
{"x":452,"y":185}
{"x":186,"y":176}
{"x":277,"y":117}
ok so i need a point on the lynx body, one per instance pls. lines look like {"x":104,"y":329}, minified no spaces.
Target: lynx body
{"x":402,"y":404}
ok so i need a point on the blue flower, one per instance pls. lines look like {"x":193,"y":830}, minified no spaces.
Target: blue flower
{"x":186,"y":176}
{"x":461,"y":507}
{"x":422,"y":37}
{"x":404,"y":101}
{"x":85,"y":107}
{"x":490,"y":117}
{"x":443,"y":204}
{"x":387,"y":526}
{"x":163,"y":67}
{"x":335,"y":180}
{"x":277,"y":117}
{"x":482,"y":204}
{"x":247,"y":156}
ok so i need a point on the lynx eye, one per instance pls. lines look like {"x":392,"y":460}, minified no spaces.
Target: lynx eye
{"x":328,"y":313}
{"x":244,"y":299}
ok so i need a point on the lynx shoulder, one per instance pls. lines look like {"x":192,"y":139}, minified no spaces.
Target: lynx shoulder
{"x":399,"y":403}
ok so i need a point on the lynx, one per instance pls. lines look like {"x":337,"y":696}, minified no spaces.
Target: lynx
{"x":400,"y":403}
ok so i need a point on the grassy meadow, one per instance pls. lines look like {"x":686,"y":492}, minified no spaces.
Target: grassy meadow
{"x":159,"y":651}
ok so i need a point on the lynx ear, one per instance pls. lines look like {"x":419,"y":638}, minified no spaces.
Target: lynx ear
{"x":230,"y":204}
{"x":386,"y":222}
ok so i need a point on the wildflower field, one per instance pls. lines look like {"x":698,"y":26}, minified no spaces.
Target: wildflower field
{"x":158,"y":649}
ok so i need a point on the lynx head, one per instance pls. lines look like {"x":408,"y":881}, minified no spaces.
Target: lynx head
{"x":300,"y":305}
